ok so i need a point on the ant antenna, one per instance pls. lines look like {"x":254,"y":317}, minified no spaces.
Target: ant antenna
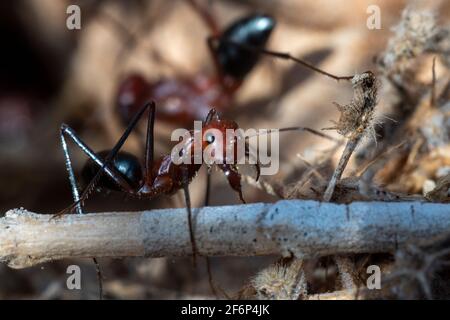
{"x":306,"y":129}
{"x":285,"y":56}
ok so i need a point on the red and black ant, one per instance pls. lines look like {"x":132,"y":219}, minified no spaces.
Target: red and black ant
{"x":235,"y":52}
{"x":121,"y":171}
{"x":183,"y":100}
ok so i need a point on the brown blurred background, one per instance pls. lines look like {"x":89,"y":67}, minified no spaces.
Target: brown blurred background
{"x":50,"y":75}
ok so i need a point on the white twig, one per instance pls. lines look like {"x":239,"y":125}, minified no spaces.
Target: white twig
{"x":302,"y":228}
{"x":346,"y":154}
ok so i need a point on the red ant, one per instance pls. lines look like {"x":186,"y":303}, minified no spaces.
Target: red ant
{"x":181,"y":101}
{"x":235,"y":52}
{"x":121,"y":171}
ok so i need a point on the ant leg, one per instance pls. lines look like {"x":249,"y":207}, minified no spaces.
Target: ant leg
{"x":149,"y":143}
{"x":208,"y":187}
{"x":208,"y":262}
{"x":110,"y":171}
{"x":76,"y":198}
{"x":304,"y":129}
{"x":287,"y":56}
{"x":206,"y":15}
{"x":69,"y":168}
{"x":250,"y":156}
{"x":108,"y":160}
{"x":104,"y":167}
{"x":189,"y":216}
{"x":234,"y":178}
{"x":99,"y":278}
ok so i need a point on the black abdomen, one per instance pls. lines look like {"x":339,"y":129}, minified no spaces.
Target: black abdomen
{"x":251,"y":31}
{"x":125,"y":163}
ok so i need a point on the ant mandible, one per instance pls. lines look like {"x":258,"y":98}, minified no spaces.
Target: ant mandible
{"x":183,"y":100}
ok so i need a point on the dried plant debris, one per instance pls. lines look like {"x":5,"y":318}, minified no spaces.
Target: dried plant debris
{"x":418,"y":32}
{"x":417,"y":168}
{"x":283,"y":280}
{"x":417,"y":37}
{"x":356,"y":120}
{"x":357,"y":116}
{"x":419,"y":165}
{"x":441,"y":190}
{"x":421,"y":272}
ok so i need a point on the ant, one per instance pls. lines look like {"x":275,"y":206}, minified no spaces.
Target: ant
{"x":183,"y":100}
{"x":117,"y":170}
{"x":235,"y":51}
{"x":121,"y":171}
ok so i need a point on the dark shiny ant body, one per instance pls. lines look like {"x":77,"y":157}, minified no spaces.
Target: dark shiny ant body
{"x":181,"y":101}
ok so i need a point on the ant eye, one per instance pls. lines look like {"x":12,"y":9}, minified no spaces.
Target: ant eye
{"x":210,"y":138}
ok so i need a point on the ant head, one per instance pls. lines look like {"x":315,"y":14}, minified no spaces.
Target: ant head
{"x":125,"y":163}
{"x":218,"y":136}
{"x":254,"y":31}
{"x":214,"y":121}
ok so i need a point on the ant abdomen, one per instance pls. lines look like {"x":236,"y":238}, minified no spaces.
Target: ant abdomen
{"x":254,"y":31}
{"x":125,"y":163}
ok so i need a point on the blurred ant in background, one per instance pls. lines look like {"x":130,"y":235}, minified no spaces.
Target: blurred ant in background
{"x":183,"y":100}
{"x":235,"y":51}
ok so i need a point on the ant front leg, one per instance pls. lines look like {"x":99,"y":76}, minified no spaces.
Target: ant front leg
{"x":206,"y":15}
{"x":233,"y":177}
{"x":189,"y":214}
{"x":207,"y":187}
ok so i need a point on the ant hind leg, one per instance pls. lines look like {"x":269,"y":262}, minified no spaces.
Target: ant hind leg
{"x":79,"y":210}
{"x":105,"y":165}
